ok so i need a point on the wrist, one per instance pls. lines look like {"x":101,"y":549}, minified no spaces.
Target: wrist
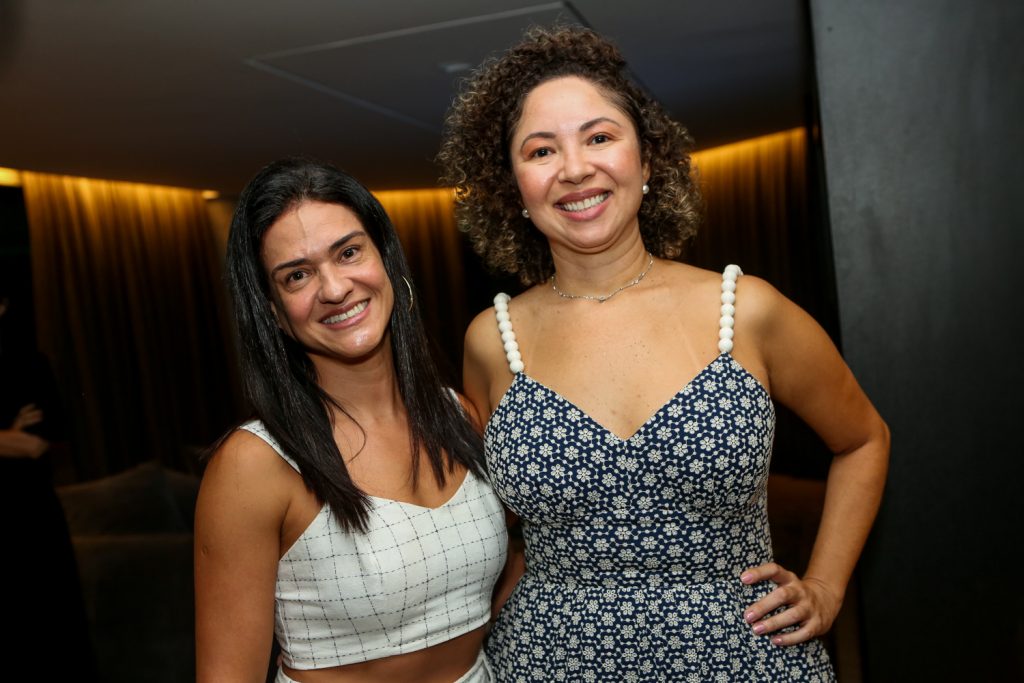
{"x":834,"y":593}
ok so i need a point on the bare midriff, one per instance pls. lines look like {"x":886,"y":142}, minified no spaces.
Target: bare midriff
{"x":442,"y":663}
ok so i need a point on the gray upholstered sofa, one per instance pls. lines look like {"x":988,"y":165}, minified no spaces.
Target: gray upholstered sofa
{"x":132,"y":535}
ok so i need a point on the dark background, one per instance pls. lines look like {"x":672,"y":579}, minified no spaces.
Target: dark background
{"x":921,"y":113}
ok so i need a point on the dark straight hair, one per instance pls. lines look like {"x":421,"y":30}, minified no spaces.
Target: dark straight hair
{"x":280,"y":380}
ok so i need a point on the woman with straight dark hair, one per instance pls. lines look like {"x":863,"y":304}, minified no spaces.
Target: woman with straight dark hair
{"x":316,"y":522}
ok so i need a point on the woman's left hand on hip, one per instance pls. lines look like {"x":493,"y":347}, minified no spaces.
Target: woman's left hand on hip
{"x":810,"y":605}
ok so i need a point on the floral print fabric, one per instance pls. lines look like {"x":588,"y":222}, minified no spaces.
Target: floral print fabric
{"x":634,"y":547}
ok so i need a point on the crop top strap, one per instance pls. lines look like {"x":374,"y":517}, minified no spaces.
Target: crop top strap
{"x":731,"y":273}
{"x":508,"y":336}
{"x":257,"y":428}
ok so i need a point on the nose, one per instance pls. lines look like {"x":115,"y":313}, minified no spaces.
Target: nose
{"x":334,"y":284}
{"x":576,"y":166}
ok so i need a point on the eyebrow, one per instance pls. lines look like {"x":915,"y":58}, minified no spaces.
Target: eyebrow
{"x":586,"y":126}
{"x":338,"y":244}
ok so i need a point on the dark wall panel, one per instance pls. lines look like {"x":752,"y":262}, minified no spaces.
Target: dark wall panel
{"x":921,"y":107}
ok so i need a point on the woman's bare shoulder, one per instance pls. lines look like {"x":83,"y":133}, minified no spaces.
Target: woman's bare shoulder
{"x":483,"y":339}
{"x":697,"y":273}
{"x":757,"y":303}
{"x":762,"y":304}
{"x":243,"y":448}
{"x":698,"y":282}
{"x":246,"y":465}
{"x":483,"y":335}
{"x":523,"y":306}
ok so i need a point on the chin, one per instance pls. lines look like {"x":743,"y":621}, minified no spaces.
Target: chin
{"x":358,"y":352}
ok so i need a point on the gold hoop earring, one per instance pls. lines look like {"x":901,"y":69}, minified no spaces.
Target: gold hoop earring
{"x":412,"y":297}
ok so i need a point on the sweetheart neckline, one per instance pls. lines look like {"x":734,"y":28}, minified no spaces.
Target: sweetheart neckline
{"x":671,"y":399}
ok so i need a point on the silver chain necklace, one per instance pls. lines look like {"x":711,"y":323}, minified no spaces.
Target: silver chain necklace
{"x":602,"y":298}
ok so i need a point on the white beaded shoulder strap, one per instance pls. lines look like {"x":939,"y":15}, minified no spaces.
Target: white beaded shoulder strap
{"x":508,"y":337}
{"x":726,"y":322}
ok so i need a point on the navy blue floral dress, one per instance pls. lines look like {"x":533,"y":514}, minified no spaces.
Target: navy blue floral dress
{"x":634,"y":547}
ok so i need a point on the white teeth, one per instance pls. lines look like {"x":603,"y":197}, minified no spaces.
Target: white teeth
{"x":355,"y":310}
{"x":586,"y":203}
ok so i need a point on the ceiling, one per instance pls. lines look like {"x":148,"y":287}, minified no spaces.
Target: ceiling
{"x":202,"y":94}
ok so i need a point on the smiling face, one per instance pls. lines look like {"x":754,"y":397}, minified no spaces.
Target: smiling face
{"x":577,"y":161}
{"x":329,"y":287}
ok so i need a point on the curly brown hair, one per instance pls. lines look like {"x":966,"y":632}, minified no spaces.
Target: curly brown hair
{"x":478,"y":131}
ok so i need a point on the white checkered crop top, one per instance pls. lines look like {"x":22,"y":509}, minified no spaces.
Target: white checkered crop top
{"x":417,"y":577}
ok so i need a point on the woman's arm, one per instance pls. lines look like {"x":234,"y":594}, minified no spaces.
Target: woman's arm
{"x":515,"y":567}
{"x":482,"y":349}
{"x":482,"y":340}
{"x":239,"y":514}
{"x":807,"y":374}
{"x":15,"y":443}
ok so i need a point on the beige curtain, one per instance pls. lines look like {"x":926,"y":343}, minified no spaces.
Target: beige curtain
{"x":763,"y":214}
{"x":434,"y":248}
{"x":756,"y":194}
{"x":131,"y":311}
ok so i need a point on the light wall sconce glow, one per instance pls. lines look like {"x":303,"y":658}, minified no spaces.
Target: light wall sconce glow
{"x":10,"y":177}
{"x":211,"y":194}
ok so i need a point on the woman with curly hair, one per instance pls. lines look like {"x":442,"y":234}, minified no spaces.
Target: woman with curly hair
{"x":631,"y":396}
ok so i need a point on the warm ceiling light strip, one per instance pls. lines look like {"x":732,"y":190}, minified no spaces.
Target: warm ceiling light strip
{"x":10,"y":177}
{"x":412,"y":194}
{"x":735,"y":149}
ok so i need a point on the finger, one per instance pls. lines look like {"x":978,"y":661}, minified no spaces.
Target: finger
{"x":800,"y":635}
{"x":791,"y":616}
{"x":769,"y":572}
{"x":760,"y":573}
{"x":29,"y":418}
{"x":780,"y":597}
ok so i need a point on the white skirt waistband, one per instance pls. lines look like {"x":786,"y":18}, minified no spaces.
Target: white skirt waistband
{"x":480,"y":672}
